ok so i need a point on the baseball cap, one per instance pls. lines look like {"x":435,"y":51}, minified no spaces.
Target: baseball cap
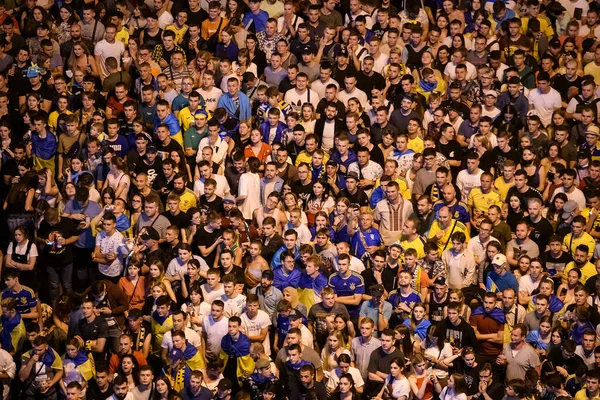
{"x":396,"y":244}
{"x":352,"y":175}
{"x":143,"y":136}
{"x":150,"y":233}
{"x":376,"y":290}
{"x":440,"y":281}
{"x":568,"y":208}
{"x":331,"y":163}
{"x":262,"y":363}
{"x":307,"y":50}
{"x":202,"y":113}
{"x":229,"y":199}
{"x":134,"y":314}
{"x":453,"y":106}
{"x":492,"y":93}
{"x":224,"y":384}
{"x":342,"y":53}
{"x":151,"y":148}
{"x":295,"y":314}
{"x":499,"y":259}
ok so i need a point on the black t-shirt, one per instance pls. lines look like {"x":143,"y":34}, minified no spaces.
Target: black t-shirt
{"x":452,"y":151}
{"x":97,"y":329}
{"x":366,"y":83}
{"x":151,"y":170}
{"x":562,"y":85}
{"x":530,"y":193}
{"x":379,"y":361}
{"x":540,"y":232}
{"x":556,"y":265}
{"x":501,"y":158}
{"x":180,"y":220}
{"x":55,"y":255}
{"x":302,"y":191}
{"x":317,"y":392}
{"x":360,"y":197}
{"x":94,"y":392}
{"x":196,"y":17}
{"x":215,"y":205}
{"x":471,"y":375}
{"x":459,"y":336}
{"x":207,"y":239}
{"x":172,"y":145}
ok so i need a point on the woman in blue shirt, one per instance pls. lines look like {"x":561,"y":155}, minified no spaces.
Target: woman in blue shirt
{"x":227,"y":48}
{"x":540,"y":338}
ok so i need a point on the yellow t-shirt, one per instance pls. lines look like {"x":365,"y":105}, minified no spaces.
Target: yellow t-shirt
{"x":587,"y":271}
{"x":179,"y":33}
{"x":53,"y":119}
{"x":570,"y":243}
{"x":435,"y":228}
{"x":307,"y":158}
{"x":502,"y":187}
{"x":416,"y":145}
{"x":482,"y":201}
{"x":186,"y":119}
{"x":582,"y":395}
{"x":187,"y":200}
{"x":545,"y":25}
{"x":418,"y":244}
{"x":123,"y":36}
{"x":587,"y":213}
{"x":594,"y":70}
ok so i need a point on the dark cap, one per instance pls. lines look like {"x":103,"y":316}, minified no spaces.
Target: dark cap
{"x":134,"y":314}
{"x":82,"y":194}
{"x":352,"y":175}
{"x":440,"y":281}
{"x":225,"y":384}
{"x":408,"y":96}
{"x":453,"y":106}
{"x":331,"y":163}
{"x":307,"y":50}
{"x":514,"y":80}
{"x":342,"y":53}
{"x":298,"y":128}
{"x":151,"y":148}
{"x":150,"y":233}
{"x":555,"y":43}
{"x":143,"y":135}
{"x":295,"y":314}
{"x":376,"y":290}
{"x":229,"y":199}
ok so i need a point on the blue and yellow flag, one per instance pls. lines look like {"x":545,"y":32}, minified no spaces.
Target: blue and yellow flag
{"x":84,"y":363}
{"x":12,"y":334}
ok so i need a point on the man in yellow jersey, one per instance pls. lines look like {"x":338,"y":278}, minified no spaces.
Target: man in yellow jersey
{"x":503,"y":183}
{"x":578,"y":236}
{"x":580,"y":262}
{"x":443,"y":227}
{"x":411,"y":239}
{"x":481,"y":198}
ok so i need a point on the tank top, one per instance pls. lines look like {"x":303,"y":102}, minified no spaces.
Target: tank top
{"x":152,"y":40}
{"x":436,"y":309}
{"x":428,"y":391}
{"x":414,"y":57}
{"x":534,"y":180}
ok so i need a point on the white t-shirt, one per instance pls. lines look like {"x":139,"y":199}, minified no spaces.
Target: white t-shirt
{"x":466,"y":181}
{"x":111,"y":244}
{"x":235,"y":306}
{"x":210,"y":296}
{"x":571,"y":6}
{"x":296,"y":99}
{"x":33,"y":252}
{"x":400,"y":387}
{"x":249,"y":186}
{"x":214,"y":332}
{"x":576,"y":195}
{"x":219,"y":150}
{"x":440,"y":355}
{"x":526,"y":284}
{"x":450,"y":70}
{"x":252,"y":327}
{"x":211,"y":97}
{"x":105,"y":50}
{"x":545,"y":104}
{"x":344,"y":96}
{"x":221,"y":190}
{"x":165,"y":20}
{"x":334,"y":378}
{"x":190,"y":335}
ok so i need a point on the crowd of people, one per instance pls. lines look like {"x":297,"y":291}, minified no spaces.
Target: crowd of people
{"x":264,"y":200}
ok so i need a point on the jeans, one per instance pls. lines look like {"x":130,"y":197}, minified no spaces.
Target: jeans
{"x":61,"y":275}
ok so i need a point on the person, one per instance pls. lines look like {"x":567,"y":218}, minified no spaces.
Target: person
{"x":518,"y":355}
{"x":41,"y":361}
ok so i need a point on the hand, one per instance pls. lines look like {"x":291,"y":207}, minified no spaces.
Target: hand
{"x":482,"y":387}
{"x":501,"y":360}
{"x":181,"y":275}
{"x":439,"y":235}
{"x":562,"y":371}
{"x":61,"y":241}
{"x":372,"y":249}
{"x":35,"y":358}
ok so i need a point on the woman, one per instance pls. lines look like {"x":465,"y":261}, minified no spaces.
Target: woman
{"x":22,"y":254}
{"x":566,"y":291}
{"x":523,"y":264}
{"x":483,"y":148}
{"x":227,"y":48}
{"x":32,"y":103}
{"x":339,"y":220}
{"x":255,"y":264}
{"x":137,"y":22}
{"x":47,"y":189}
{"x":129,"y":368}
{"x":435,"y":351}
{"x":404,"y":342}
{"x":163,"y":390}
{"x":136,"y":208}
{"x":198,"y":65}
{"x":553,"y":155}
{"x":18,"y":206}
{"x":287,"y":58}
{"x":396,"y":385}
{"x":559,"y":118}
{"x":354,"y":106}
{"x":456,"y":295}
{"x":458,"y":41}
{"x":455,"y":390}
{"x":345,"y":389}
{"x":234,"y":8}
{"x":194,"y":275}
{"x":230,"y":243}
{"x":108,"y":197}
{"x":67,"y":19}
{"x":387,"y":144}
{"x":243,"y":64}
{"x":433,"y":103}
{"x":333,"y":348}
{"x":321,"y":221}
{"x":442,"y":22}
{"x":443,"y":58}
{"x":258,"y":148}
{"x":536,"y":173}
{"x":420,"y":379}
{"x":319,"y":200}
{"x":82,"y":59}
{"x":309,"y":118}
{"x":554,"y":211}
{"x":195,"y":221}
{"x":67,"y":194}
{"x":156,"y":291}
{"x":485,"y":266}
{"x":558,"y":335}
{"x":130,"y":57}
{"x":540,"y":338}
{"x":249,"y":188}
{"x":77,"y":366}
{"x":157,"y":275}
{"x":509,"y":121}
{"x":180,"y":165}
{"x":118,"y":178}
{"x":134,"y":285}
{"x":516,"y":390}
{"x":472,"y":10}
{"x":516,"y":212}
{"x":291,"y":294}
{"x":428,"y":60}
{"x":74,"y":169}
{"x":196,"y":308}
{"x":417,"y":323}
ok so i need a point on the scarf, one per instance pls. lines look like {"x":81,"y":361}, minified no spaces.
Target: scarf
{"x":427,"y":87}
{"x":496,"y":314}
{"x":83,"y":363}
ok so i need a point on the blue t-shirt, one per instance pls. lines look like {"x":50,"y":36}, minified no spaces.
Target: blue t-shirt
{"x":504,"y":282}
{"x":86,"y":239}
{"x":180,"y":102}
{"x":353,"y":284}
{"x":372,"y":238}
{"x":459,"y":211}
{"x":26,"y":300}
{"x":120,"y":145}
{"x":281,"y":280}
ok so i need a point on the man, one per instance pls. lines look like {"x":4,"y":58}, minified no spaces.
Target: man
{"x":379,"y":362}
{"x":300,"y":94}
{"x":376,"y":309}
{"x":110,"y":250}
{"x":93,"y":330}
{"x":121,"y":389}
{"x":521,"y":245}
{"x":348,"y":286}
{"x":459,"y":209}
{"x":530,"y":282}
{"x":457,"y":331}
{"x":309,"y":387}
{"x":272,"y":240}
{"x":518,"y":356}
{"x":180,"y":323}
{"x":577,"y":238}
{"x":27,"y":303}
{"x":545,"y":100}
{"x":514,"y":312}
{"x":591,"y":389}
{"x":501,"y":278}
{"x":390,"y":212}
{"x":404,"y":297}
{"x":125,"y":348}
{"x":532,"y":318}
{"x":108,"y":47}
{"x":541,"y":229}
{"x":488,"y":323}
{"x":41,"y":369}
{"x":580,"y":262}
{"x":145,"y":389}
{"x":570,"y":189}
{"x":460,"y":263}
{"x":364,"y":345}
{"x":255,"y":323}
{"x":321,"y":313}
{"x":235,"y":102}
{"x":481,"y":198}
{"x":443,"y":227}
{"x":470,"y":177}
